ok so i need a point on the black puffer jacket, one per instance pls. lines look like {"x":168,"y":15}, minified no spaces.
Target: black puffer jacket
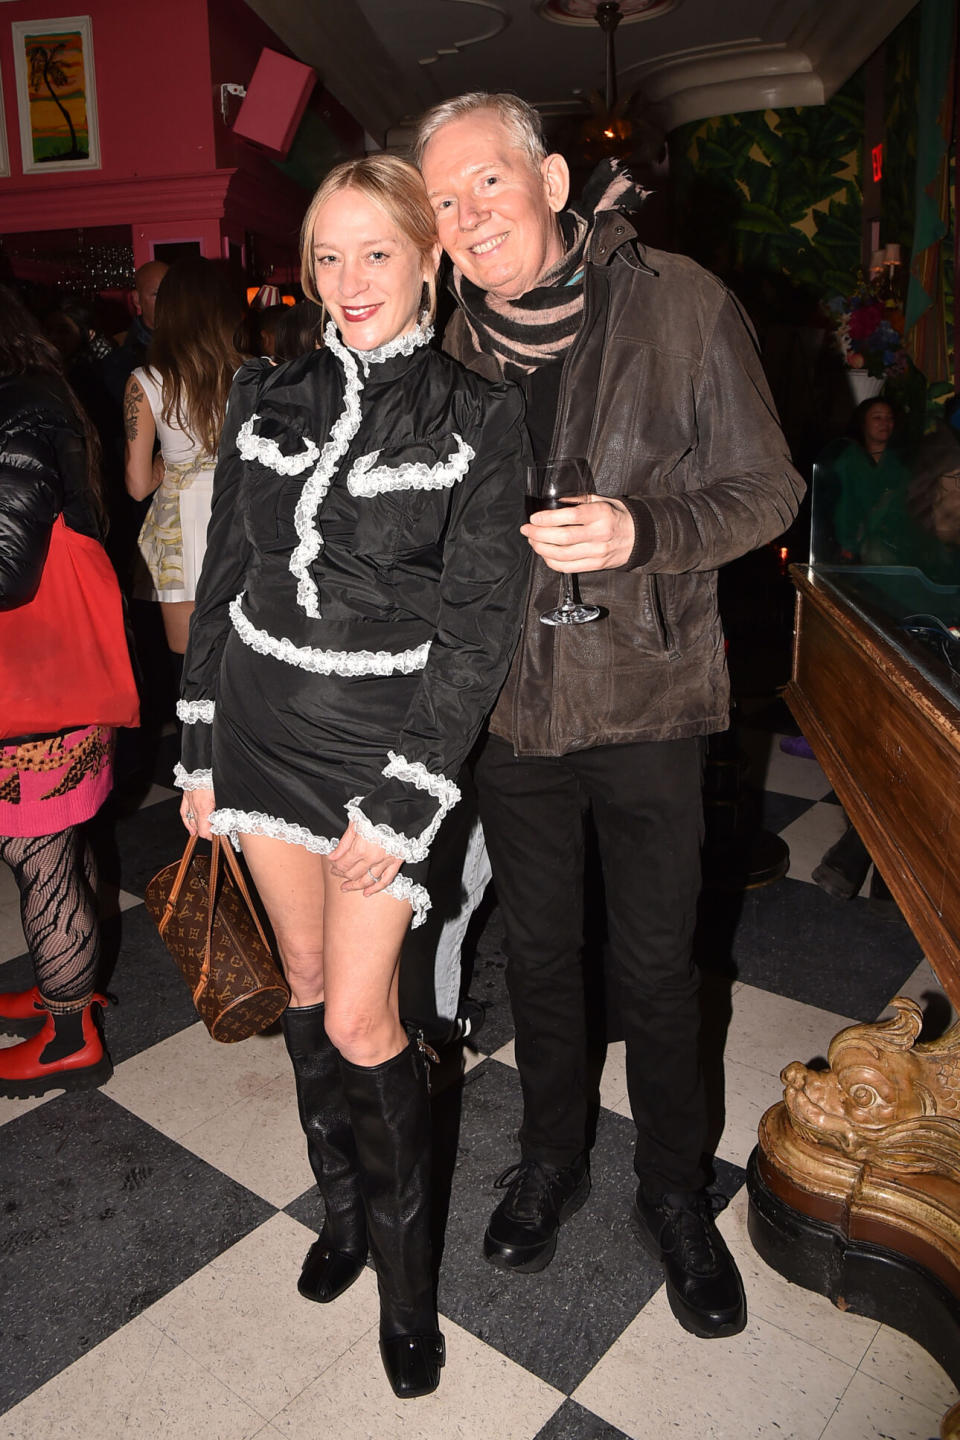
{"x":43,"y":471}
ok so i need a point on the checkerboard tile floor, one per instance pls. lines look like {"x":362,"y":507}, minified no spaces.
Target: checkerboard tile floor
{"x":152,"y":1231}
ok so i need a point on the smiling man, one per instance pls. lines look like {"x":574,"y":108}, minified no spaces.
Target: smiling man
{"x":640,"y":364}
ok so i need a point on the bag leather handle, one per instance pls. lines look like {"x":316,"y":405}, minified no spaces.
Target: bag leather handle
{"x":221,"y":852}
{"x":177,"y":885}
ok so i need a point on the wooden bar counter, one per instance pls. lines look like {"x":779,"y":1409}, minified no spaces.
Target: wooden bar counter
{"x":855,"y":1181}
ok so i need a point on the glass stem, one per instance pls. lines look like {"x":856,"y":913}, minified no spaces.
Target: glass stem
{"x":569,"y":596}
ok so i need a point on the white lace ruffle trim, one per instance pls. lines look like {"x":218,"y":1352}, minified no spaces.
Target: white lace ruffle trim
{"x":348,"y":663}
{"x":235,"y":823}
{"x":192,"y":779}
{"x":411,"y":771}
{"x":401,"y":345}
{"x":444,"y":791}
{"x":258,"y":447}
{"x":192,"y":711}
{"x":367,"y":478}
{"x":316,"y":486}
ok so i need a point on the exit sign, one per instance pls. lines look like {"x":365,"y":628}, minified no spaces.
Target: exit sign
{"x":876,"y":155}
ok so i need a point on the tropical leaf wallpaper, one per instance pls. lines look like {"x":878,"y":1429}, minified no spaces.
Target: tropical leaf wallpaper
{"x":775,"y":196}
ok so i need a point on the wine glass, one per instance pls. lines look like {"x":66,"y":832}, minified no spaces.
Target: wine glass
{"x":549,"y":487}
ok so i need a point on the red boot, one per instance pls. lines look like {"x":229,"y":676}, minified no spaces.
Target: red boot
{"x":67,"y":1054}
{"x":21,"y":1010}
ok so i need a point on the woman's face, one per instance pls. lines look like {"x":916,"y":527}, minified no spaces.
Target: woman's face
{"x":368,"y":275}
{"x":877,"y":427}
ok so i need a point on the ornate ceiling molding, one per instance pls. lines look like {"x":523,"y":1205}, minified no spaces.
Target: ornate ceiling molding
{"x":831,"y":41}
{"x":497,"y":28}
{"x":584,"y":12}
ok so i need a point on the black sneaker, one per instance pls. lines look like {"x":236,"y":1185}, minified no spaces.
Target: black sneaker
{"x":522,"y":1234}
{"x":703,"y":1283}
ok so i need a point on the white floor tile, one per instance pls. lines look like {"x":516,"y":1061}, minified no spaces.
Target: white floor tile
{"x":810,"y":836}
{"x":871,"y":1410}
{"x":12,"y":942}
{"x":747,"y":1094}
{"x":811,"y":1318}
{"x":657,"y":1382}
{"x":481,"y":1393}
{"x":767,"y":1031}
{"x":258,"y":1142}
{"x":241,"y":1318}
{"x":157,"y":793}
{"x":899,"y":1361}
{"x":9,"y":894}
{"x":924,"y":986}
{"x":135,"y":1384}
{"x":768,"y":768}
{"x":188,"y":1079}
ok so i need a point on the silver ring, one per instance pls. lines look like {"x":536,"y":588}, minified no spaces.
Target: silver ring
{"x":371,"y":874}
{"x":190,"y":815}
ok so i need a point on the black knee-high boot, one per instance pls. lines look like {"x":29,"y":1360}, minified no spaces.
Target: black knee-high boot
{"x":336,"y":1258}
{"x":390,"y":1112}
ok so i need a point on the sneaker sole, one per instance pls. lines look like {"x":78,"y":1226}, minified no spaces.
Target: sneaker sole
{"x":502,"y":1256}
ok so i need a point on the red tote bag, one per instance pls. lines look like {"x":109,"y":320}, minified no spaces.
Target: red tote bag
{"x":64,"y":661}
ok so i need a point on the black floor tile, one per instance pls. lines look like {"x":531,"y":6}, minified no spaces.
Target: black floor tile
{"x":794,"y":940}
{"x":94,"y":1204}
{"x":153,"y":999}
{"x":573,"y":1422}
{"x":558,"y":1323}
{"x":133,"y":847}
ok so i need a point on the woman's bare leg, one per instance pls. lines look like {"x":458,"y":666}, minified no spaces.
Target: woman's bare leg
{"x":291,"y":884}
{"x":176,"y":623}
{"x":362,"y":939}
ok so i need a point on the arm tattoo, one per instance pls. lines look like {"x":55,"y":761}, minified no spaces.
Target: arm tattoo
{"x":131,"y":408}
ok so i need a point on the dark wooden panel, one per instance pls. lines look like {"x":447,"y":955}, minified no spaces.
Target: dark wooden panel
{"x":890,"y":744}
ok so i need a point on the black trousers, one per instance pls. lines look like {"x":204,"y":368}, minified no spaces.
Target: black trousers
{"x":648,"y":814}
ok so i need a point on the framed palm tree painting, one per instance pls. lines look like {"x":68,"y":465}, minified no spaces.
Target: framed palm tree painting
{"x":56,"y":94}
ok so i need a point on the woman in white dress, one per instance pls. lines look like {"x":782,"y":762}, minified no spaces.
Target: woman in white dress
{"x":179,"y":398}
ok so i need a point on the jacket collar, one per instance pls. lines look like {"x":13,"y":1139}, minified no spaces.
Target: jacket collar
{"x":615,"y":234}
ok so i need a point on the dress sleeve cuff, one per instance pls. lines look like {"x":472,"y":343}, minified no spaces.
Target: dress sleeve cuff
{"x":644,"y":533}
{"x":192,"y":712}
{"x":400,"y":772}
{"x":192,"y":779}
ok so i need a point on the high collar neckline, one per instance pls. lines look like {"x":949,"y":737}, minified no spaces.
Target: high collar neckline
{"x":400,"y":346}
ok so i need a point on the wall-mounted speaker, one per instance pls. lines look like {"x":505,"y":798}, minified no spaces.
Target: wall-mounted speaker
{"x":274,"y":103}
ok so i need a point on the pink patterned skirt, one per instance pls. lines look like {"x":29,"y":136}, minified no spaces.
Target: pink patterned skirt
{"x":46,"y":785}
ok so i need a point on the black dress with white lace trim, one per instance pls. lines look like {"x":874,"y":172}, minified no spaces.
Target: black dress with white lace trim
{"x":360,"y":599}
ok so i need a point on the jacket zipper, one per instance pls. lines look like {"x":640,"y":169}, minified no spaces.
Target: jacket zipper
{"x":659,"y":614}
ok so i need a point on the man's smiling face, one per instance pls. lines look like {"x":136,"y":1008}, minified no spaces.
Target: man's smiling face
{"x":496,"y":210}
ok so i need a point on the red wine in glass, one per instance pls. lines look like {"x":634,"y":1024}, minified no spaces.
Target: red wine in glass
{"x":549,"y":486}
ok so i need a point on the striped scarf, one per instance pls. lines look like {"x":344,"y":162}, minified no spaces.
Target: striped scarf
{"x":540,"y":326}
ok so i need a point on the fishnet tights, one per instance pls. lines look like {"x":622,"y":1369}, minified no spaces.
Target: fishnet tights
{"x":57,"y":880}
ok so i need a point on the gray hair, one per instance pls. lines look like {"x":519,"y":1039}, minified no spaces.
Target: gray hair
{"x":520,"y":120}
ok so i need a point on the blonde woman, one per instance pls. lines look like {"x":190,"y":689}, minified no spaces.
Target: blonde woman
{"x":180,"y":397}
{"x":356,"y":615}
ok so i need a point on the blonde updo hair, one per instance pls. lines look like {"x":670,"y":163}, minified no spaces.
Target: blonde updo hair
{"x":397,"y":187}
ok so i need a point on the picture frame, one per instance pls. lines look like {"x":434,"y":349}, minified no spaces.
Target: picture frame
{"x":4,"y":152}
{"x":56,"y":94}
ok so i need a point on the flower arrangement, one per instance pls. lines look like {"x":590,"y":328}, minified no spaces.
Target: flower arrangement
{"x":868,"y":331}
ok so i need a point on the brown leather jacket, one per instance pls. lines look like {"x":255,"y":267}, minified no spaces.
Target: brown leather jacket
{"x":664,"y":393}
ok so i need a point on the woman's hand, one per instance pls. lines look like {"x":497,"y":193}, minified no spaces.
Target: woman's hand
{"x":362,"y":864}
{"x":196,"y":808}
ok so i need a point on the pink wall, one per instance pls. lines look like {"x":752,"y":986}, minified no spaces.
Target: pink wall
{"x":153,"y":87}
{"x":169,"y":167}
